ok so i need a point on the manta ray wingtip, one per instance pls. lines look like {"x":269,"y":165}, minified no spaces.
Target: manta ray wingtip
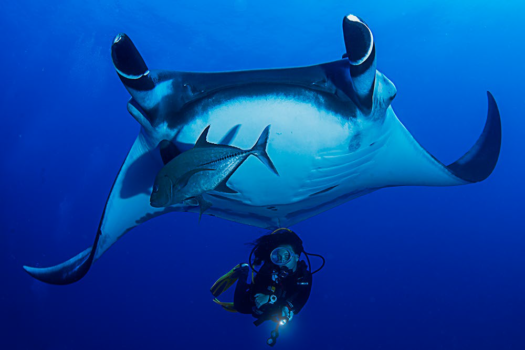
{"x":480,"y":161}
{"x":490,"y":96}
{"x":67,"y":272}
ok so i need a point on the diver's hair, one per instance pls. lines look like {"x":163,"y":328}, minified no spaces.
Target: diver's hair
{"x":265,"y":244}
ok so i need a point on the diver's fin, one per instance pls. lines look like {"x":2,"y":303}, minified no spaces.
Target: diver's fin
{"x":168,"y":151}
{"x":226,"y":140}
{"x":183,"y":181}
{"x":202,"y":140}
{"x":226,"y":281}
{"x":226,"y":306}
{"x":203,"y":204}
{"x":223,"y":187}
{"x":260,"y":150}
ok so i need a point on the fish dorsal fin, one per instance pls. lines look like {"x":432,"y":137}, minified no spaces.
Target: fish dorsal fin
{"x":223,"y":187}
{"x":202,"y":141}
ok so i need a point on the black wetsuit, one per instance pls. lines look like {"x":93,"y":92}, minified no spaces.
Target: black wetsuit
{"x":292,"y":291}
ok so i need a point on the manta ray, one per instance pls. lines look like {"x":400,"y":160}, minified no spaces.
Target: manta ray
{"x":334,"y":138}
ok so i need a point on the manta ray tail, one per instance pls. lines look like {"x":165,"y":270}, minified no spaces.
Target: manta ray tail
{"x":260,"y":150}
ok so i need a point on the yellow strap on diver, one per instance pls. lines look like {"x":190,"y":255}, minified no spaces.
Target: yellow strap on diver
{"x":281,"y":228}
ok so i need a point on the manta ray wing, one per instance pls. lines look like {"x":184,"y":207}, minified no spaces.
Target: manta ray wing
{"x":126,"y":207}
{"x":402,"y":161}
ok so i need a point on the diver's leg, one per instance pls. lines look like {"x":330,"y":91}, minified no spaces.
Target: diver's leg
{"x":241,"y":298}
{"x":227,"y":280}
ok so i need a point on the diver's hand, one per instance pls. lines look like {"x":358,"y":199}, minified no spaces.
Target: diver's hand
{"x":287,"y":313}
{"x":261,"y":299}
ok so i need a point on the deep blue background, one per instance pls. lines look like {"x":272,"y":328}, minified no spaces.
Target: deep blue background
{"x":407,"y":268}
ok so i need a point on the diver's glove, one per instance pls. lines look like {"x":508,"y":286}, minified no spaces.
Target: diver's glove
{"x":287,"y":313}
{"x":261,"y":299}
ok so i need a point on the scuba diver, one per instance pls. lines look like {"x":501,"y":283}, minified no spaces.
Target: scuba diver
{"x":280,"y":288}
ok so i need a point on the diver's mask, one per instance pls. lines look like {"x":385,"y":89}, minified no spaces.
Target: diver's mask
{"x":281,"y":256}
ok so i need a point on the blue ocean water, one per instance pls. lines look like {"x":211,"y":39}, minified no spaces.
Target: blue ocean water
{"x":407,"y":268}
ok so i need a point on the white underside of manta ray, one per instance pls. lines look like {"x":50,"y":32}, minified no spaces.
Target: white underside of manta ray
{"x":334,"y":137}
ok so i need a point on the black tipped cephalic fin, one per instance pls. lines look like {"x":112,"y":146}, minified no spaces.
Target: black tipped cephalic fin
{"x":135,"y":75}
{"x":130,"y":65}
{"x":360,"y":52}
{"x":479,"y":162}
{"x":359,"y":41}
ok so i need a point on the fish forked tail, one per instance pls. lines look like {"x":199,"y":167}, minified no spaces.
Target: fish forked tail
{"x":259,"y":150}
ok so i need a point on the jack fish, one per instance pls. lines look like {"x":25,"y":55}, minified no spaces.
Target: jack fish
{"x":206,"y":167}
